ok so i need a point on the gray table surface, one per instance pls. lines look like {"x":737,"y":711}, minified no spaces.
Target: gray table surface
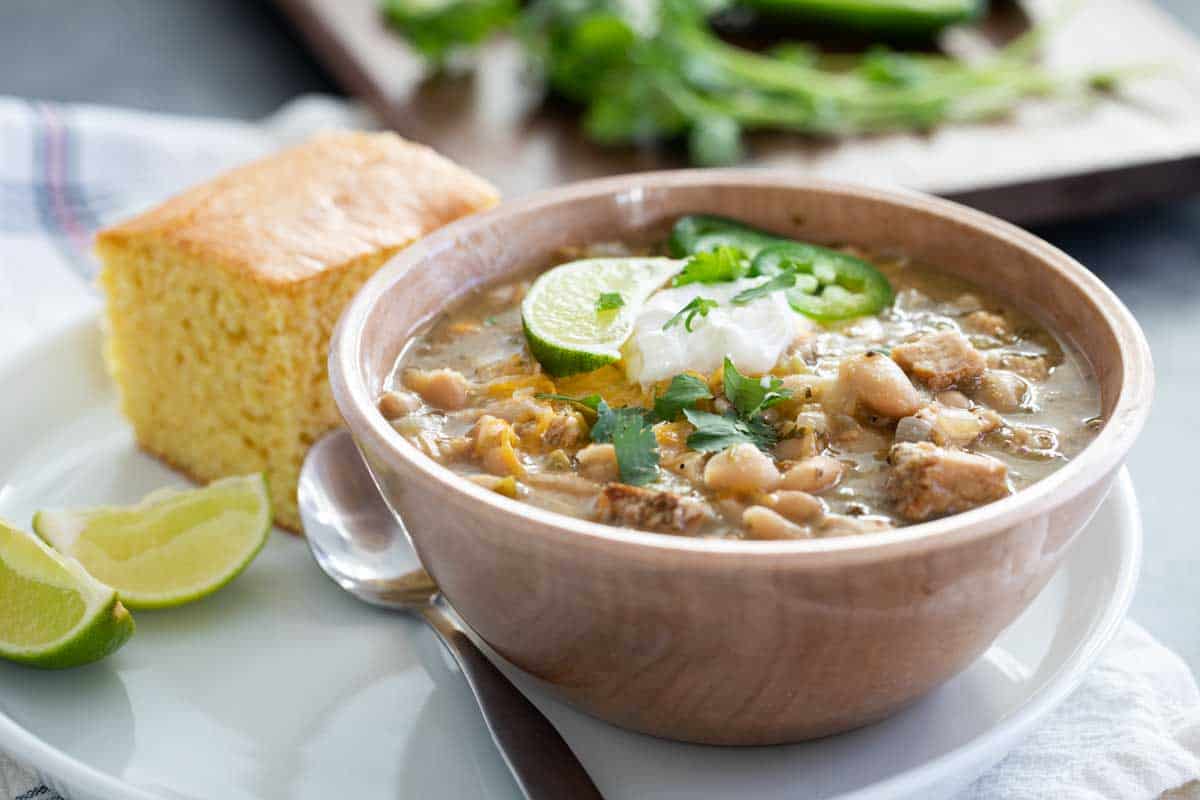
{"x":239,"y":58}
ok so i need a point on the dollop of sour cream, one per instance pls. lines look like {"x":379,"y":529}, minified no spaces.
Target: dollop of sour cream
{"x":754,"y":336}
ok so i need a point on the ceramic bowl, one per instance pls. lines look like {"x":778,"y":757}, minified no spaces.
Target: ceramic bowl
{"x":732,"y":642}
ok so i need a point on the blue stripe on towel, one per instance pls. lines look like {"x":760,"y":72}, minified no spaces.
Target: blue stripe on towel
{"x":39,"y":793}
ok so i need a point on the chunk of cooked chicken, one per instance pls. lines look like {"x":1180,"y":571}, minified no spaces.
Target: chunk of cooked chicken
{"x":650,"y":509}
{"x":928,"y":481}
{"x":1031,"y":367}
{"x":940,"y":360}
{"x":987,"y":323}
{"x":565,"y":429}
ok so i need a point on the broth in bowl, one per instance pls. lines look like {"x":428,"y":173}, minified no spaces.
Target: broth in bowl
{"x":731,"y":383}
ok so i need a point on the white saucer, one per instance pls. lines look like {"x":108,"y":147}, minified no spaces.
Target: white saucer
{"x":282,"y":686}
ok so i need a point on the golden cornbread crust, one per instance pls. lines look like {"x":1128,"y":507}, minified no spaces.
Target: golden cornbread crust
{"x":316,"y":206}
{"x":221,"y":301}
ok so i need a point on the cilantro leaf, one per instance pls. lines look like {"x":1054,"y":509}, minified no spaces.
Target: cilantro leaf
{"x":687,"y":314}
{"x":784,"y":280}
{"x":683,"y":393}
{"x":715,"y":432}
{"x":607,"y":301}
{"x":608,"y":417}
{"x":632,"y":437}
{"x":637,"y":448}
{"x":589,"y":404}
{"x":719,"y":265}
{"x":752,"y":395}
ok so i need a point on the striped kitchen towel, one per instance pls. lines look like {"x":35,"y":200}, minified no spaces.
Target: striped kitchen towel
{"x":1130,"y":732}
{"x":66,"y":171}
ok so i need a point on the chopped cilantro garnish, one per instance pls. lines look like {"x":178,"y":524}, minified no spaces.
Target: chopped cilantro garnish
{"x":607,"y":301}
{"x":715,"y":432}
{"x":632,"y":437}
{"x":489,"y":321}
{"x":607,"y":417}
{"x":784,"y":280}
{"x":752,"y":395}
{"x":687,"y":314}
{"x":637,"y":449}
{"x":720,"y":265}
{"x":683,"y":393}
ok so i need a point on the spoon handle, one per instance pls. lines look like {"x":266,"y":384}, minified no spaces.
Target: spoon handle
{"x":542,"y":763}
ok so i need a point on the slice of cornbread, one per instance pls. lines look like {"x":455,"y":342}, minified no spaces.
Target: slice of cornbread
{"x":221,"y":301}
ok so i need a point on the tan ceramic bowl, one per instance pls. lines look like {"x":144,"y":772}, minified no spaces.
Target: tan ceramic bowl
{"x":731,"y":642}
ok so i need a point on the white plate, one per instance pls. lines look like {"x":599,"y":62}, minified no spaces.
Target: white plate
{"x":281,"y":686}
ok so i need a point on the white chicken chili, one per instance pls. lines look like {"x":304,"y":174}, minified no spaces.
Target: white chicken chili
{"x":749,"y":388}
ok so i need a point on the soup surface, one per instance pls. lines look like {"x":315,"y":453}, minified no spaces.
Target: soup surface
{"x":745,"y":421}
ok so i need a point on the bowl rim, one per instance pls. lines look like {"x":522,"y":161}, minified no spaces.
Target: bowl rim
{"x":1100,"y":458}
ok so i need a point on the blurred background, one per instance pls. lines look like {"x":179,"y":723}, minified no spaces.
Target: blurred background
{"x":246,"y":58}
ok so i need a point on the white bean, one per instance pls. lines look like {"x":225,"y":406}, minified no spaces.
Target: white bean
{"x":741,"y":468}
{"x":443,"y":388}
{"x":953,"y":399}
{"x":813,"y":475}
{"x":763,"y":523}
{"x":796,"y":506}
{"x":394,"y":405}
{"x":877,"y":382}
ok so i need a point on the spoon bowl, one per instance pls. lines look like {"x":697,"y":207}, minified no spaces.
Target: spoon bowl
{"x":353,"y":535}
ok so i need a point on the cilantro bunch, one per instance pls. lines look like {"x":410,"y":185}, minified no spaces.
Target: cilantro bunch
{"x":654,"y":70}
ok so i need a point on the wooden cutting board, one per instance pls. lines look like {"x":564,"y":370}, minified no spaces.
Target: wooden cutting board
{"x":1052,"y":160}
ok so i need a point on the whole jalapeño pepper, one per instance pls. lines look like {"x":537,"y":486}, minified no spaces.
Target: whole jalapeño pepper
{"x":887,"y":18}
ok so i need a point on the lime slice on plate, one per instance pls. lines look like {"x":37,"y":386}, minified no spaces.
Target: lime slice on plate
{"x":566,"y":332}
{"x":174,"y":547}
{"x":54,"y":614}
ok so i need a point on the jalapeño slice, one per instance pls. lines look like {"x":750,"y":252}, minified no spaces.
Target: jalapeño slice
{"x":830,"y":285}
{"x":701,"y":233}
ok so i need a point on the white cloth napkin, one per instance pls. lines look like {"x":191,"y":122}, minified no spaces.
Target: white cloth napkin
{"x":1130,"y":732}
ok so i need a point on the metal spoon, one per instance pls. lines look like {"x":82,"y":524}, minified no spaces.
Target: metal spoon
{"x":357,"y":542}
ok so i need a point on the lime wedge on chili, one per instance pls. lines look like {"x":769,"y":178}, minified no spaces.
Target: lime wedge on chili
{"x":54,"y":614}
{"x":830,"y":285}
{"x":569,"y":329}
{"x":173,"y":547}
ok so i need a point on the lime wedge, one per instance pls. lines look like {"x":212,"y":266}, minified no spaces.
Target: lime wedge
{"x":566,"y":331}
{"x":54,"y":615}
{"x":174,"y":547}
